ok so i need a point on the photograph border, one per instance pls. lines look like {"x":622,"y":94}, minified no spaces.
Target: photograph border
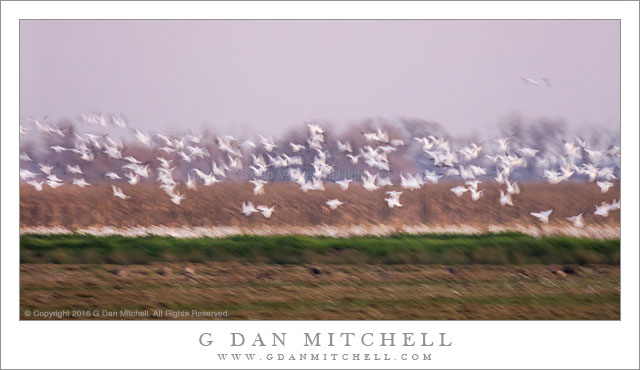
{"x":630,"y":183}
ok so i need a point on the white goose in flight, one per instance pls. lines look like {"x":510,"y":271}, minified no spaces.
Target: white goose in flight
{"x":473,"y":184}
{"x":143,"y":139}
{"x":258,"y":170}
{"x":344,"y":184}
{"x":368,"y":181}
{"x":296,"y":147}
{"x":54,"y":184}
{"x":209,"y":179}
{"x":258,"y":186}
{"x":505,"y":198}
{"x":54,"y":178}
{"x":544,"y":82}
{"x":24,"y":156}
{"x":46,"y":169}
{"x":36,"y":185}
{"x":395,"y":194}
{"x":512,"y":188}
{"x":117,"y":192}
{"x":459,"y":190}
{"x":334,"y":203}
{"x":370,"y":136}
{"x":615,"y":205}
{"x":503,"y":142}
{"x":344,"y":147}
{"x":553,"y":177}
{"x":353,"y":158}
{"x":177,"y":198}
{"x":113,"y":176}
{"x":26,"y":174}
{"x":191,"y":183}
{"x":576,"y":220}
{"x":543,"y":216}
{"x":394,"y":199}
{"x":383,"y":181}
{"x":74,"y":169}
{"x":604,"y":185}
{"x":432,"y":177}
{"x":133,"y":178}
{"x":266,"y":211}
{"x":81,"y":182}
{"x":603,"y":209}
{"x":475,"y":194}
{"x":528,"y":152}
{"x":268,"y":144}
{"x":393,"y":202}
{"x":58,"y":148}
{"x":248,"y":209}
{"x":412,"y":182}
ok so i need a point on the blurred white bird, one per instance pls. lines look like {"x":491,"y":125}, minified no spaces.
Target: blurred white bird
{"x":117,"y":192}
{"x":505,"y":199}
{"x":615,"y":205}
{"x":512,"y":188}
{"x":26,"y":174}
{"x":58,"y":148}
{"x":133,"y":178}
{"x":383,"y":181}
{"x":344,"y":184}
{"x":248,"y":209}
{"x":411,"y":182}
{"x":394,"y":199}
{"x":543,"y":216}
{"x":46,"y":169}
{"x":475,"y":195}
{"x":177,"y":198}
{"x":334,"y":203}
{"x":393,"y":202}
{"x":602,"y":210}
{"x":576,"y":220}
{"x":112,"y":176}
{"x":353,"y":158}
{"x":143,"y":139}
{"x":268,"y":144}
{"x":25,"y":157}
{"x":81,"y":182}
{"x":604,"y":185}
{"x":266,"y":211}
{"x":258,"y":186}
{"x":191,"y":184}
{"x":432,"y":177}
{"x":459,"y":190}
{"x":528,"y":152}
{"x":344,"y":147}
{"x":36,"y":185}
{"x":296,"y":147}
{"x":54,"y":184}
{"x":368,"y":181}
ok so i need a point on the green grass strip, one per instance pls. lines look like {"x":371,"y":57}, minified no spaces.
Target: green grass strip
{"x":494,"y":249}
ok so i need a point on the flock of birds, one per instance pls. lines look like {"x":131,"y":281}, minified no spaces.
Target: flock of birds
{"x":499,"y":160}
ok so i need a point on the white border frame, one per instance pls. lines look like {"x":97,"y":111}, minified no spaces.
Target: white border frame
{"x":477,"y":344}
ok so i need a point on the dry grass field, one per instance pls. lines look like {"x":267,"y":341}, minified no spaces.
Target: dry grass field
{"x":336,"y":292}
{"x":220,"y":205}
{"x":380,"y":278}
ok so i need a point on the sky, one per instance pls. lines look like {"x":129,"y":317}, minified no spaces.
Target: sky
{"x":238,"y":77}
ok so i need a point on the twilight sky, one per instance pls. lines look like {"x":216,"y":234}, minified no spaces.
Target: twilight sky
{"x":266,"y":76}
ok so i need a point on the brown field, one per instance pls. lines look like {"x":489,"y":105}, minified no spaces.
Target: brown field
{"x":220,"y":205}
{"x":336,"y":292}
{"x":321,"y":291}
